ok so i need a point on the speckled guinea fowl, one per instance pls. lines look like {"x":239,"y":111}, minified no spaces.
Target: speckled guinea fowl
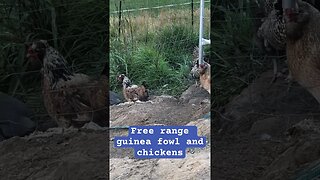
{"x":302,"y":42}
{"x":71,"y":99}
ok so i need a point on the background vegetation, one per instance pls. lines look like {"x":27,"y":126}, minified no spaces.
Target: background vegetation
{"x":154,"y":45}
{"x":236,"y":59}
{"x":78,"y":29}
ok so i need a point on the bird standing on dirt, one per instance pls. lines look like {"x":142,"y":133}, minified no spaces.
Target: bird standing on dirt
{"x":273,"y":31}
{"x":133,"y":92}
{"x":70,"y":99}
{"x":205,"y":76}
{"x":201,"y":72}
{"x":15,"y":117}
{"x":274,"y":39}
{"x":303,"y":46}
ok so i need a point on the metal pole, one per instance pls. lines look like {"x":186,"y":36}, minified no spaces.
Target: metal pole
{"x":192,"y":14}
{"x":119,"y":17}
{"x":201,"y":31}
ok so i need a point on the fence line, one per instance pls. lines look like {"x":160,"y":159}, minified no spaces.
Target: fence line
{"x":155,"y":7}
{"x":42,"y":9}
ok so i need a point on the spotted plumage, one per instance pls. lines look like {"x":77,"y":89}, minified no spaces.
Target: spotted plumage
{"x":133,"y":92}
{"x":70,"y":99}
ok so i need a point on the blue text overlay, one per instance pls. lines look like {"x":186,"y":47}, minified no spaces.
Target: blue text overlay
{"x":160,"y":141}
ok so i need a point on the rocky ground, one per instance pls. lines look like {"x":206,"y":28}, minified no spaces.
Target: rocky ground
{"x":162,"y":110}
{"x":82,"y":153}
{"x":269,"y":131}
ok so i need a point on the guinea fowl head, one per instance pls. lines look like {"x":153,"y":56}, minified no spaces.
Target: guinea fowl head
{"x":121,"y":77}
{"x":54,"y":64}
{"x":124,"y":80}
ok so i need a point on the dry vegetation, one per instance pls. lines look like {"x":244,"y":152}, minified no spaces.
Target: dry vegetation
{"x":164,"y":38}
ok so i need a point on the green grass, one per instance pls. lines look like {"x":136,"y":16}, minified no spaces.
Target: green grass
{"x":155,"y":48}
{"x":236,"y":60}
{"x":76,"y":28}
{"x":135,"y":4}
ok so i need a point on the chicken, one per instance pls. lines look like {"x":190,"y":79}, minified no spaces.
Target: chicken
{"x":202,"y":71}
{"x":273,"y":30}
{"x":70,"y":99}
{"x":205,"y":76}
{"x":133,"y":92}
{"x":303,"y":46}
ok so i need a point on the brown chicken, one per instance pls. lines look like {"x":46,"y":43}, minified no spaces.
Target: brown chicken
{"x":202,"y":71}
{"x":70,"y":99}
{"x":133,"y":92}
{"x":303,"y":46}
{"x":205,"y":76}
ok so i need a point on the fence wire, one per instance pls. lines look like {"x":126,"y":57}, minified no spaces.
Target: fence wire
{"x":167,"y":28}
{"x":80,"y":30}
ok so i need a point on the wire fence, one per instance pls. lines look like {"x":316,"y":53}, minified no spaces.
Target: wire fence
{"x":78,"y":30}
{"x":248,"y":104}
{"x":80,"y":35}
{"x":166,"y":31}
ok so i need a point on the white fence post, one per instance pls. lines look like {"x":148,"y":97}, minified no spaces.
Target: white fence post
{"x":202,"y":41}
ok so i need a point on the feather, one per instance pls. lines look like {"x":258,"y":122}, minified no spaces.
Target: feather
{"x":71,"y":99}
{"x":133,"y":92}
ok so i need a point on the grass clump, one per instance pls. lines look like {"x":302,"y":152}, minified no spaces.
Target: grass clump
{"x":77,"y":29}
{"x":154,"y":47}
{"x":236,"y":60}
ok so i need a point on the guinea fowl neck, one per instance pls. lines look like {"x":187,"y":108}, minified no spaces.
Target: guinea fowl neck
{"x":55,"y":67}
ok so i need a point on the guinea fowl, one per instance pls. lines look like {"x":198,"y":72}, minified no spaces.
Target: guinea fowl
{"x":70,"y":99}
{"x":132,"y":92}
{"x":273,"y":29}
{"x":273,"y":38}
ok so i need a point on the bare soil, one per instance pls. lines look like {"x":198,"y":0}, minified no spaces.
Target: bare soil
{"x":82,"y":153}
{"x":269,"y":131}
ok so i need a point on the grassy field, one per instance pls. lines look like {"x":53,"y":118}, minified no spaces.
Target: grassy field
{"x":155,"y":45}
{"x":135,"y":4}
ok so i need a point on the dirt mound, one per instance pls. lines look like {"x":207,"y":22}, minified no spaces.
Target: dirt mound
{"x":75,"y":154}
{"x":196,"y":165}
{"x":162,"y":110}
{"x":82,"y":153}
{"x":167,"y":110}
{"x":269,"y":131}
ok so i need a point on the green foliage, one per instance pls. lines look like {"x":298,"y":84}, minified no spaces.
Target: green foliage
{"x":236,"y":61}
{"x":163,"y":62}
{"x":78,"y":29}
{"x":175,"y":41}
